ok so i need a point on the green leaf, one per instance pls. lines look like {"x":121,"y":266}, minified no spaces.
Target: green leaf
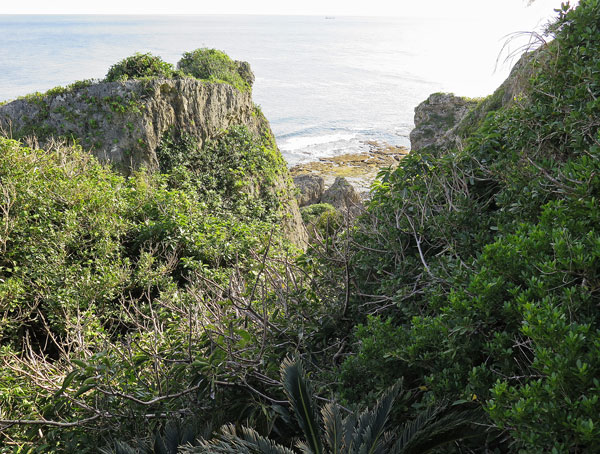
{"x":66,"y":382}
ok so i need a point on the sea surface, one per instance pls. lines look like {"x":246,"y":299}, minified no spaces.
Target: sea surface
{"x":326,"y":84}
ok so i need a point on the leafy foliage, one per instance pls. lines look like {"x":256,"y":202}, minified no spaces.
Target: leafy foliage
{"x":138,"y":66}
{"x":473,"y":275}
{"x":215,"y":66}
{"x":356,"y":433}
{"x":487,"y":258}
{"x":107,"y":286}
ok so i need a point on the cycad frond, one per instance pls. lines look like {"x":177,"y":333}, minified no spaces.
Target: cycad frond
{"x":265,"y":445}
{"x":120,"y":447}
{"x":410,"y":429}
{"x":300,"y":396}
{"x":367,"y":437}
{"x":436,"y":427}
{"x":334,"y":428}
{"x":303,"y":447}
{"x":229,"y":442}
{"x":349,"y":426}
{"x":169,"y":442}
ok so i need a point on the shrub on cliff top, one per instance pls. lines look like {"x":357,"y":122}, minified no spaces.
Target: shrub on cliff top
{"x":215,"y":66}
{"x":140,"y":65}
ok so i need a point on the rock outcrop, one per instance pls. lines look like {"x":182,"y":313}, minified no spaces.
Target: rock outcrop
{"x":311,"y":188}
{"x":123,"y":123}
{"x":342,"y":196}
{"x":436,"y":117}
{"x":444,"y":119}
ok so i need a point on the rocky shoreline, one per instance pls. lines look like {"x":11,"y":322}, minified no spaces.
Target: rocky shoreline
{"x":359,"y":169}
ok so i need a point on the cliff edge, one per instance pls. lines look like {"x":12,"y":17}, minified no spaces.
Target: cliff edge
{"x":124,"y":123}
{"x":445,"y":120}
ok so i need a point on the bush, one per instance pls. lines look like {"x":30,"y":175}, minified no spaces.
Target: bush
{"x":487,"y":258}
{"x":88,"y":257}
{"x":138,"y":66}
{"x":216,"y":66}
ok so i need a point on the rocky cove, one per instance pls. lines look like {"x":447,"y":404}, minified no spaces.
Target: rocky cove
{"x":124,"y":123}
{"x":161,"y":290}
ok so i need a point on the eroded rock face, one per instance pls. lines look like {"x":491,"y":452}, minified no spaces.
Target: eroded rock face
{"x":123,"y":123}
{"x":311,"y":189}
{"x":343,"y":197}
{"x":436,"y":117}
{"x":444,"y":119}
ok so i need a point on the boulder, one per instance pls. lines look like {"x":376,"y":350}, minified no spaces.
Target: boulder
{"x":311,"y":188}
{"x":343,"y":197}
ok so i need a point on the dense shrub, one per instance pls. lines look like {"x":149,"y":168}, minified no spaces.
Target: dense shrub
{"x":107,"y":286}
{"x":488,"y":259}
{"x":138,"y":66}
{"x":216,"y":66}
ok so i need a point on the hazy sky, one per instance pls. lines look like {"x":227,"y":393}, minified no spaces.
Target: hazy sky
{"x":516,"y":10}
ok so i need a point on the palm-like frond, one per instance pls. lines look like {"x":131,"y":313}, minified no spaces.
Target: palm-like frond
{"x":367,"y":433}
{"x":367,"y":438}
{"x":229,"y":442}
{"x":334,"y":428}
{"x":265,"y":445}
{"x":120,"y":447}
{"x":436,"y":427}
{"x":300,"y":396}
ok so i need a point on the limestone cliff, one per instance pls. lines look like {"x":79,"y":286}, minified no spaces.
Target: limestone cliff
{"x":444,"y":119}
{"x":123,"y":123}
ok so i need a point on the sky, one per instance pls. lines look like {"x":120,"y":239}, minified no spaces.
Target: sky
{"x":517,"y":10}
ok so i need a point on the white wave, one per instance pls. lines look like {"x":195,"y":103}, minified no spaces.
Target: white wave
{"x":297,"y":143}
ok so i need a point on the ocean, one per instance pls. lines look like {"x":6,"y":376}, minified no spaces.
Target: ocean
{"x":327,"y":84}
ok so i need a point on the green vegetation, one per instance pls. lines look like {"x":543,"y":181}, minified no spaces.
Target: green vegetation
{"x":139,"y":66}
{"x":138,"y":313}
{"x":322,"y":219}
{"x":38,"y":97}
{"x":235,"y":169}
{"x":99,"y":278}
{"x":215,"y":66}
{"x":488,"y":260}
{"x":352,"y":433}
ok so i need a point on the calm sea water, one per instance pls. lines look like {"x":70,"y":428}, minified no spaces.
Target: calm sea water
{"x":327,"y":85}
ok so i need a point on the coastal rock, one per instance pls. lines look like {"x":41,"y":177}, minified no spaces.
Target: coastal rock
{"x":123,"y":123}
{"x":444,"y":119}
{"x":436,"y":117}
{"x":359,"y":169}
{"x":342,"y":196}
{"x":311,"y":188}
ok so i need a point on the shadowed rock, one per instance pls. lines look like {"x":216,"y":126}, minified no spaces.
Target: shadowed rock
{"x":311,"y":189}
{"x":343,"y":197}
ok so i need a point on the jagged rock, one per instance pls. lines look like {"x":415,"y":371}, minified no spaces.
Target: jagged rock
{"x":344,"y":197}
{"x":444,"y":119}
{"x":244,"y":70}
{"x":311,"y":188}
{"x":436,"y":116}
{"x":123,"y":123}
